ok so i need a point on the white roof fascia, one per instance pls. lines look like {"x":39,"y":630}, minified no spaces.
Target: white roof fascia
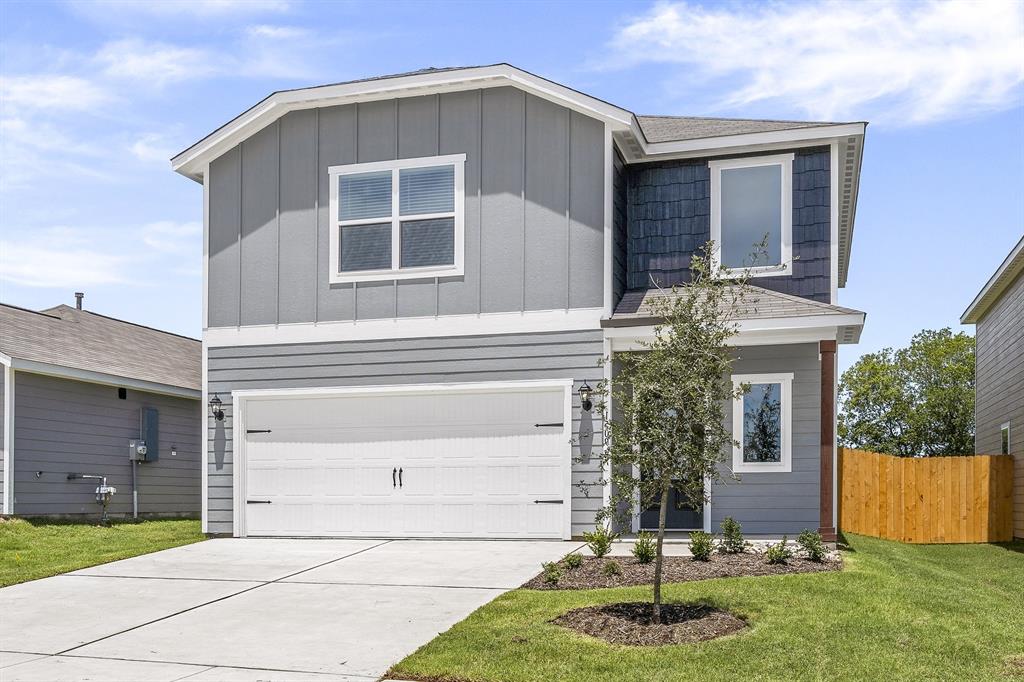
{"x":192,"y":161}
{"x":996,"y":284}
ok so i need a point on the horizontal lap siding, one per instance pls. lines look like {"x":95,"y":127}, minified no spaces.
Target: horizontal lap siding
{"x":534,"y":209}
{"x":776,"y":503}
{"x":64,"y":426}
{"x":511,"y":357}
{"x":1000,"y":385}
{"x":3,"y":407}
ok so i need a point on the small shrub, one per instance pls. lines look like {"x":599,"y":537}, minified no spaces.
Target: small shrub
{"x":574,"y":560}
{"x":701,"y":545}
{"x":645,"y":549}
{"x":810,"y":542}
{"x":778,"y":554}
{"x":600,"y":541}
{"x":552,"y":572}
{"x":611,"y":568}
{"x":732,"y":537}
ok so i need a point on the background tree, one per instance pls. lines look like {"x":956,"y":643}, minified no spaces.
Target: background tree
{"x":668,"y":420}
{"x":912,"y":401}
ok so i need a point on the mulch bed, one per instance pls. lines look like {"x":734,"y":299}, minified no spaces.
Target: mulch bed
{"x":676,"y":569}
{"x":631,"y":623}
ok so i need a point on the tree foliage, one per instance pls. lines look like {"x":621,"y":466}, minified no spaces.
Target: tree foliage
{"x":668,"y":421}
{"x":912,"y":401}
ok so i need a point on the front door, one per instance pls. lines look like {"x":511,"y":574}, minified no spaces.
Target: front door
{"x":680,"y":515}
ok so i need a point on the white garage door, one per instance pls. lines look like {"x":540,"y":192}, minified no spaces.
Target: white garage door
{"x":469,"y":462}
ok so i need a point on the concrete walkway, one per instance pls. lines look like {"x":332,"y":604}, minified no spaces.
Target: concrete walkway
{"x":254,"y":609}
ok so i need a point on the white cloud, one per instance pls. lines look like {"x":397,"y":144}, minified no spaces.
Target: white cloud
{"x":167,"y":236}
{"x":70,"y":257}
{"x":156,"y":64}
{"x":887,"y":61}
{"x":275,"y":32}
{"x":152,"y":147}
{"x":42,"y":91}
{"x":61,"y":257}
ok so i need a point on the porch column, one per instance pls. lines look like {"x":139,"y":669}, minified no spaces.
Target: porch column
{"x":827,"y":353}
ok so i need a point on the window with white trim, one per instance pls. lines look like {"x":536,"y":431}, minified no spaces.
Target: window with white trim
{"x":751,"y":201}
{"x":1004,"y":438}
{"x":397,"y":219}
{"x":762,"y":423}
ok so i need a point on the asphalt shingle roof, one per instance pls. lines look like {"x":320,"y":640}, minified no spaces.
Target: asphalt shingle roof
{"x":79,"y":339}
{"x":635,"y":306}
{"x":678,"y":128}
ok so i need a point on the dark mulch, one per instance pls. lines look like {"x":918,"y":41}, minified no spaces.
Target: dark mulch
{"x":632,"y":624}
{"x":676,"y":569}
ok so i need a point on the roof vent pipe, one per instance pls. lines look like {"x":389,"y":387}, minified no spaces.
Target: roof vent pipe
{"x":78,"y":299}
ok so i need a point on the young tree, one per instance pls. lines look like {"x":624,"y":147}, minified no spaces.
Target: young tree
{"x":912,"y":401}
{"x":669,"y":402}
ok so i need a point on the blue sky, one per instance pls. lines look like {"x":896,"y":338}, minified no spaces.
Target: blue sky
{"x":95,"y":97}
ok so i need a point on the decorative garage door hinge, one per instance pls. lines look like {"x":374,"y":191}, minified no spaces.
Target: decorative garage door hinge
{"x":547,"y":501}
{"x":558,"y":424}
{"x":257,"y":430}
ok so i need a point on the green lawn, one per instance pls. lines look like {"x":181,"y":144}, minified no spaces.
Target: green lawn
{"x":32,"y":549}
{"x":896,"y":612}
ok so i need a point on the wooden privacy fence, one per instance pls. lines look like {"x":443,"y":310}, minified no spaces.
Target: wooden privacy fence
{"x":926,"y":500}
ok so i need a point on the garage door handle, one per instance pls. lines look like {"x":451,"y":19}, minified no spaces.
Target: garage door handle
{"x":393,"y":472}
{"x":258,"y":502}
{"x":558,"y":424}
{"x":399,"y":478}
{"x":548,"y":501}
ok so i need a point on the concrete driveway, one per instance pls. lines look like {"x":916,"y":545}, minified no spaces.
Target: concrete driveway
{"x":255,"y":609}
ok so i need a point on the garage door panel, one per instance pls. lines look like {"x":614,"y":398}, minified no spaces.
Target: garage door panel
{"x":473,"y":464}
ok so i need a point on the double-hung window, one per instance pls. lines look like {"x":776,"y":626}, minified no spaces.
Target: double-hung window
{"x":761,"y":423}
{"x":751,"y":202}
{"x":397,"y":219}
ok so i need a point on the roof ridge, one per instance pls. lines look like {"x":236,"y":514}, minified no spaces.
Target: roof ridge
{"x":117,"y":319}
{"x":29,"y":310}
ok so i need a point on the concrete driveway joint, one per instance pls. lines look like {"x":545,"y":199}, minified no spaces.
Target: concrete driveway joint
{"x":256,"y":609}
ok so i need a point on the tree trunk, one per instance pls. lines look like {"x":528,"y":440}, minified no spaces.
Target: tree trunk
{"x":662,"y":512}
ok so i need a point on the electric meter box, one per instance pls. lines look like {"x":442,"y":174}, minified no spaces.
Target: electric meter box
{"x":146,"y":448}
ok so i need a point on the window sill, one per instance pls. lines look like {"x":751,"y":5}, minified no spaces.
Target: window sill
{"x":774,"y":271}
{"x":762,"y":468}
{"x":392,"y":275}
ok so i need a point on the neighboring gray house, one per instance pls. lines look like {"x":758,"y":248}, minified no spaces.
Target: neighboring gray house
{"x":998,"y":313}
{"x":77,"y":387}
{"x":409,"y":279}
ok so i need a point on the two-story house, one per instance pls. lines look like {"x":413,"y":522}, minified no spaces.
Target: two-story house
{"x":408,"y":280}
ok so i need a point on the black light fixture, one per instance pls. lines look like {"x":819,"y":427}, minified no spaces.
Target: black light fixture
{"x":215,"y":408}
{"x":585,"y":393}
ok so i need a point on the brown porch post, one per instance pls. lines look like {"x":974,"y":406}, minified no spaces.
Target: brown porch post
{"x":827,"y":351}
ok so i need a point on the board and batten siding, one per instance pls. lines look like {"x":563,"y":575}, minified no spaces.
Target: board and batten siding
{"x":999,"y":376}
{"x":534,"y":209}
{"x":64,"y":426}
{"x":509,"y":357}
{"x":776,"y":503}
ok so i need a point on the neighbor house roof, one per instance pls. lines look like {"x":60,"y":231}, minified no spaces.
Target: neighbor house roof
{"x":1004,"y":276}
{"x":66,"y":341}
{"x":639,"y":138}
{"x":636,"y":309}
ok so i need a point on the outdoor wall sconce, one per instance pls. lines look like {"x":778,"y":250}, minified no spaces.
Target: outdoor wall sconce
{"x":215,"y":408}
{"x":585,"y":394}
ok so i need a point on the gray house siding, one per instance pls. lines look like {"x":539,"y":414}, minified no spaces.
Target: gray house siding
{"x":3,"y":408}
{"x":63,"y":426}
{"x":775,"y":503}
{"x":668,"y":213}
{"x":534,"y":209}
{"x":406,"y":361}
{"x":999,"y":339}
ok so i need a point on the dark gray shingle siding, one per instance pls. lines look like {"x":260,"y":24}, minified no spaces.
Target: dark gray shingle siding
{"x":669,"y":218}
{"x":619,"y":199}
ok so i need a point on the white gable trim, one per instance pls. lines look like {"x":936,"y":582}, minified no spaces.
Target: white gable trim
{"x":192,"y":161}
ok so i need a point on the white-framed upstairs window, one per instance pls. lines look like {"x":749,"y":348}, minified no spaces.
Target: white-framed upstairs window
{"x":752,"y":198}
{"x":399,"y":219}
{"x":762,"y":421}
{"x":1004,"y":438}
